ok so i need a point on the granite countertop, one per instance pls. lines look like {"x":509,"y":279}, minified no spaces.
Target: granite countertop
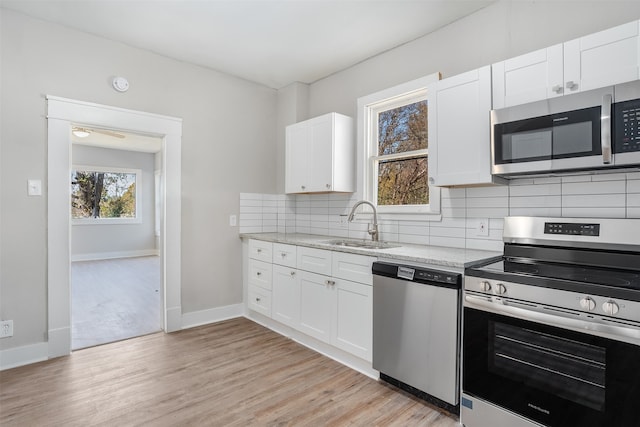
{"x":424,"y":254}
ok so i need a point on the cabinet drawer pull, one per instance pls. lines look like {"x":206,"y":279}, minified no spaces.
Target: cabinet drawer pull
{"x":283,"y":254}
{"x":259,"y":250}
{"x":330,"y":282}
{"x":557,"y":89}
{"x":571,"y":85}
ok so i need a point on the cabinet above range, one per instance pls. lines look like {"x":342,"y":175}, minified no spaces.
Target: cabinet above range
{"x":596,"y":60}
{"x":320,"y":155}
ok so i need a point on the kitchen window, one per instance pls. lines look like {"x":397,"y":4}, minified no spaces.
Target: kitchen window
{"x":395,"y":149}
{"x":105,"y":195}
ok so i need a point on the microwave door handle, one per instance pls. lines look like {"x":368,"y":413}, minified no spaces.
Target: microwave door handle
{"x":605,"y":128}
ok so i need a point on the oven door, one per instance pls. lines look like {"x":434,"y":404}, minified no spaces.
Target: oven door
{"x":550,"y":375}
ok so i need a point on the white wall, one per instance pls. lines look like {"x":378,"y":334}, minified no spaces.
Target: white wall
{"x":97,"y":241}
{"x":227,"y":147}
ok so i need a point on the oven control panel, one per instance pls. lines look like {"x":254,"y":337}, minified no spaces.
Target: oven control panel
{"x":549,"y":300}
{"x":572,"y":228}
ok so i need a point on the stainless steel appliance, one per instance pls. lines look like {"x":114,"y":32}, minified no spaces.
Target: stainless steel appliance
{"x":551,"y":333}
{"x":590,"y":130}
{"x":416,"y":324}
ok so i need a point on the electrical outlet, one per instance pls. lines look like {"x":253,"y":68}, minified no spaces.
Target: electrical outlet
{"x":482,"y":227}
{"x":6,"y":328}
{"x":233,"y":220}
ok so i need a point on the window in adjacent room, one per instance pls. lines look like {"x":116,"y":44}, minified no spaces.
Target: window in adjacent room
{"x":397,"y":149}
{"x":105,"y":195}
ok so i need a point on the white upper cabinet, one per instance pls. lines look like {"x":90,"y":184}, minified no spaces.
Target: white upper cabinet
{"x":602,"y":59}
{"x":459,"y":133}
{"x":605,"y":58}
{"x":320,"y":155}
{"x":527,"y":78}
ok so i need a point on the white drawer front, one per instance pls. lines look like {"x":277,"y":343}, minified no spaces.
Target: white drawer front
{"x":260,"y":250}
{"x":356,"y":268}
{"x":260,"y":273}
{"x":260,"y":300}
{"x":284,"y":255}
{"x":314,"y":260}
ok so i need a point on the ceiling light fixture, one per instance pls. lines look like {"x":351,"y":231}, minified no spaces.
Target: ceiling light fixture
{"x":80,"y":132}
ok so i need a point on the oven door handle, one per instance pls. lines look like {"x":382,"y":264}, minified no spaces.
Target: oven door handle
{"x":615,"y":332}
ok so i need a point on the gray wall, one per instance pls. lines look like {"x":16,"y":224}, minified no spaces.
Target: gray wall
{"x":89,"y":240}
{"x":229,"y":129}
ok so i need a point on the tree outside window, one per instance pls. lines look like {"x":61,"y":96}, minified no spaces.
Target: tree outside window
{"x":402,"y":155}
{"x":103,"y":194}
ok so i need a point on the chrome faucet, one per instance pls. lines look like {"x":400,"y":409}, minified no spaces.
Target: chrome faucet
{"x":373,"y":228}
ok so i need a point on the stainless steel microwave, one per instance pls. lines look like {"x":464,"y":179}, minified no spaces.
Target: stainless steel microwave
{"x":590,"y":130}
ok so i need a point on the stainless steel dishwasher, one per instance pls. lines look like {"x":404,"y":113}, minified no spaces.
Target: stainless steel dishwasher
{"x":416,"y":325}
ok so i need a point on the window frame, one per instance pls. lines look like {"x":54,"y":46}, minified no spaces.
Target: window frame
{"x":110,"y":221}
{"x":368,"y":108}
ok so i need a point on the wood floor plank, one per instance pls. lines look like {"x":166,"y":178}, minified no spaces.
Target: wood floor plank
{"x":233,"y":373}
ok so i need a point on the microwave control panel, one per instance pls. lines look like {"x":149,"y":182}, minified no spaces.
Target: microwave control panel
{"x":627,"y":126}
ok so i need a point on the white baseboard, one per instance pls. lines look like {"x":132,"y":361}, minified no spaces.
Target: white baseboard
{"x":113,"y":255}
{"x":25,"y":355}
{"x":212,"y":315}
{"x":340,"y":356}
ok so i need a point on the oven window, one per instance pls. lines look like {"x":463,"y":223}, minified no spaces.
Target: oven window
{"x":569,"y":369}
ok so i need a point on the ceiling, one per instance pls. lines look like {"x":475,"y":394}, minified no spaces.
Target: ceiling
{"x":271,"y":42}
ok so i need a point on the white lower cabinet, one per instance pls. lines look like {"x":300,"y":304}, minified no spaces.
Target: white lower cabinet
{"x":285,"y":306}
{"x":327,"y":295}
{"x":338,"y":312}
{"x":353,"y":318}
{"x":316,"y":305}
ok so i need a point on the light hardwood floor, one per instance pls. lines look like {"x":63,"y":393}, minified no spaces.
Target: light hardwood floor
{"x":114,"y":299}
{"x":233,"y":373}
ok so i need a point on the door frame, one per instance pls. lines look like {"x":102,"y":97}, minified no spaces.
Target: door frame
{"x":61,"y":114}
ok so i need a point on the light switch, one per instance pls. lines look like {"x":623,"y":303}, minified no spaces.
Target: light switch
{"x":34,"y":187}
{"x":233,"y":220}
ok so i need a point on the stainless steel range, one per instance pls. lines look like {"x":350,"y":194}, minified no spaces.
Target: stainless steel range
{"x":551,"y":333}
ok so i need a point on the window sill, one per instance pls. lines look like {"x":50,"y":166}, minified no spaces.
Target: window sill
{"x":106,"y":221}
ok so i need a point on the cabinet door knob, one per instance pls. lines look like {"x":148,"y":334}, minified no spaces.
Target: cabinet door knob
{"x":571,"y":85}
{"x":283,"y":254}
{"x":258,"y":273}
{"x":257,"y":299}
{"x":293,"y":273}
{"x":431,"y":180}
{"x":330,"y":282}
{"x":329,"y":186}
{"x":557,"y":89}
{"x":303,"y":187}
{"x":259,"y":250}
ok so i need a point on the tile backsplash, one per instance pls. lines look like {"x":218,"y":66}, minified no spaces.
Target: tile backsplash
{"x":614,"y":195}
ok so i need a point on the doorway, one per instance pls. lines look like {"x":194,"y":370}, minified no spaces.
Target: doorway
{"x":115,"y":235}
{"x":61,"y":114}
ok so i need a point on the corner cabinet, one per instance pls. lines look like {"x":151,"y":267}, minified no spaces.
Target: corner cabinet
{"x":601,"y":59}
{"x":459,"y":130}
{"x":320,"y":155}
